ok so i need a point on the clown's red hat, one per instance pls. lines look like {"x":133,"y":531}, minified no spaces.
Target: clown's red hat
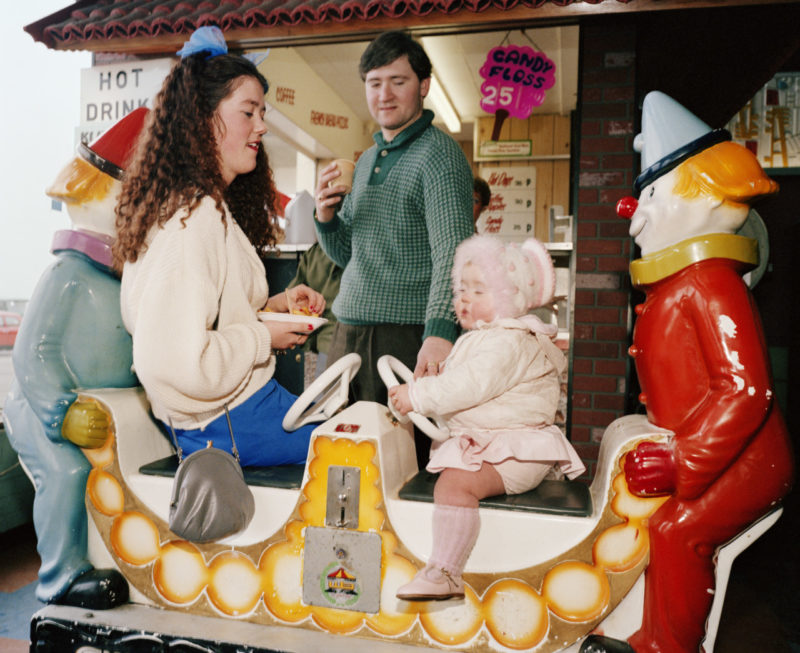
{"x":112,"y":152}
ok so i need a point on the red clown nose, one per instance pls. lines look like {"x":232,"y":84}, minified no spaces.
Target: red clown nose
{"x":626,"y":207}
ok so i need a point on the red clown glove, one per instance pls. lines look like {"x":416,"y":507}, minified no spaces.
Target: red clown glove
{"x":650,"y":469}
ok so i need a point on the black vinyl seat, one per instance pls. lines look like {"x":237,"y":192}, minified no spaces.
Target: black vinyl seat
{"x":569,"y":498}
{"x":289,"y":477}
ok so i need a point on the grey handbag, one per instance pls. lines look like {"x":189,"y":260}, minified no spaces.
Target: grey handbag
{"x":210,"y":498}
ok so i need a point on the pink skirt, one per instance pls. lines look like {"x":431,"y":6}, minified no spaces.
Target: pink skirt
{"x":529,"y":449}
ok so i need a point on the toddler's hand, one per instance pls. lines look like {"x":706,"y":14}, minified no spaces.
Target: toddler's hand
{"x":398,"y":395}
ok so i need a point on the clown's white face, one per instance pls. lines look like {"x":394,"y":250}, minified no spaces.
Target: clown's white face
{"x":663,"y":218}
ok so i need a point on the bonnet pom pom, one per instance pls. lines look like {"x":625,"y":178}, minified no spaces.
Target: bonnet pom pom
{"x":542,"y":274}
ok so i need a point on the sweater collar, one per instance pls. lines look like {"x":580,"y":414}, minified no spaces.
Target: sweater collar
{"x":409,"y":134}
{"x":666,"y":262}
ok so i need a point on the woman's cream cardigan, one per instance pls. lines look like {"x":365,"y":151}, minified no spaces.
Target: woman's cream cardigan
{"x":190,"y":303}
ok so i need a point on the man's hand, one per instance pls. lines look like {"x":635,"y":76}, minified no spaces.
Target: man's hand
{"x":398,"y":395}
{"x":431,"y":356}
{"x":85,"y":425}
{"x":650,"y":469}
{"x":326,"y":199}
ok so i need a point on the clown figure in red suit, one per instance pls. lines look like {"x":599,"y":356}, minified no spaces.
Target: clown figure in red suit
{"x":702,"y":364}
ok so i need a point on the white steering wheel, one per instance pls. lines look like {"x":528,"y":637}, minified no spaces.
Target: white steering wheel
{"x":331,"y":391}
{"x":388,"y":367}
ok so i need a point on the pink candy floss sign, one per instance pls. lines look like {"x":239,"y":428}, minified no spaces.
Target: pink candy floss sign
{"x":516,"y":80}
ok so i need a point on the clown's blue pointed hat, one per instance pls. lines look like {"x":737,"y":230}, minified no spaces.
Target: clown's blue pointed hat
{"x":670,"y":135}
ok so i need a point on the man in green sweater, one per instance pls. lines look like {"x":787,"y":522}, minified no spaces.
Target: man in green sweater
{"x":395,"y":233}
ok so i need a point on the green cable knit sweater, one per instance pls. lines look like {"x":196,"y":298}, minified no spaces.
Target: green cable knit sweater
{"x":396,"y":233}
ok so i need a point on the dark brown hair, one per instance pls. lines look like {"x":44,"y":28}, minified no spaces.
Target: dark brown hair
{"x":176,"y":162}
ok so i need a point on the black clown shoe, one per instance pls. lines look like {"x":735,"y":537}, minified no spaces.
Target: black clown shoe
{"x":97,"y":589}
{"x":598,"y":644}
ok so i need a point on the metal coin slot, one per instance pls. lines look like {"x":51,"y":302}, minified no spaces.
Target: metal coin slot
{"x":341,"y":510}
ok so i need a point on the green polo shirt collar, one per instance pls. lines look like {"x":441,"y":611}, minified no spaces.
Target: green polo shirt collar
{"x":389,"y":152}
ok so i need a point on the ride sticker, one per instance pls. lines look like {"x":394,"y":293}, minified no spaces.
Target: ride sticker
{"x":516,"y":80}
{"x":339,"y":585}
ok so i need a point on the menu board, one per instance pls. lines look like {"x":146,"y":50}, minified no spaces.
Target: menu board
{"x":511,"y":213}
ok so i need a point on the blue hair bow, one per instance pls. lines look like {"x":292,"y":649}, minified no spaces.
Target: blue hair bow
{"x":205,"y":39}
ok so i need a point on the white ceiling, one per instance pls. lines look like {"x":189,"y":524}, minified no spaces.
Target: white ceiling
{"x":456,"y":60}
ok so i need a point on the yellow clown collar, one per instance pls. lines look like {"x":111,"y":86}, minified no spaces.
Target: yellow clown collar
{"x":665,"y":262}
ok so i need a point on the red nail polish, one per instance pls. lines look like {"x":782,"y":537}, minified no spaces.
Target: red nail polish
{"x":310,"y":327}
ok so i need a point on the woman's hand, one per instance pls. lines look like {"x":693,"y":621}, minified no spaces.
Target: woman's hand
{"x":299,"y":298}
{"x":398,"y":395}
{"x":286,"y":335}
{"x":327,"y":199}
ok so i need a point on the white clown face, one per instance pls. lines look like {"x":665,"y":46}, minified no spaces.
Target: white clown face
{"x":663,"y":218}
{"x":98,"y":214}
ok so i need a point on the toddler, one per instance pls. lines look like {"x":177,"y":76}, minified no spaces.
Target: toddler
{"x":498,"y":392}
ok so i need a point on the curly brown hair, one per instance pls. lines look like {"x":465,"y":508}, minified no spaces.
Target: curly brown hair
{"x":174,"y":167}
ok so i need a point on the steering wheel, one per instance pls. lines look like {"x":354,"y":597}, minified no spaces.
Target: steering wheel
{"x":330,"y":390}
{"x":388,"y":367}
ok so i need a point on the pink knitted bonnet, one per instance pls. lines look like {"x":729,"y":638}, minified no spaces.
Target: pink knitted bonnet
{"x":521,"y":276}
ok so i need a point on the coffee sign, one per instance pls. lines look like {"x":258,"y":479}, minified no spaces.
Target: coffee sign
{"x":516,"y":80}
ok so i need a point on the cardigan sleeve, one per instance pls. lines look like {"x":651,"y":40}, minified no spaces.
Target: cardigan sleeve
{"x":182,"y":356}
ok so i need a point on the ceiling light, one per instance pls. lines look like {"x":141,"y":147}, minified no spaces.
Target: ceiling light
{"x":443,"y":107}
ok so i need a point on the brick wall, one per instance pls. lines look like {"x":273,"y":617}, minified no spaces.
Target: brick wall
{"x":606,"y":172}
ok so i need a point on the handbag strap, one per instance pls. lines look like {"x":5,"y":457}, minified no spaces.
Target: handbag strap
{"x":230,"y":430}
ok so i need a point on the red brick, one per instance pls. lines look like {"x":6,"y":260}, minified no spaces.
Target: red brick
{"x":601,"y":247}
{"x":619,"y":162}
{"x":619,"y":94}
{"x":579,"y":434}
{"x":593,"y":418}
{"x":596,"y":212}
{"x":612,"y":263}
{"x":610,"y":197}
{"x":608,"y":37}
{"x":605,"y":178}
{"x":587,"y":230}
{"x":589,"y":163}
{"x":581,"y":400}
{"x":591,"y":128}
{"x":594,"y":384}
{"x":607,"y":110}
{"x":593,"y":59}
{"x":615,"y":228}
{"x":597,"y":315}
{"x":594,"y":94}
{"x":588,"y":280}
{"x":582,"y":366}
{"x":615,"y":333}
{"x":611,"y":298}
{"x":584,"y":298}
{"x":587,"y":196}
{"x":587,"y":349}
{"x":615,"y":368}
{"x":618,"y":127}
{"x":609,"y":77}
{"x":586,"y":264}
{"x":583,"y":332}
{"x":609,"y":402}
{"x":603,"y":144}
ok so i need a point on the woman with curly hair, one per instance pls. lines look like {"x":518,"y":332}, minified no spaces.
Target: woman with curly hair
{"x":195,"y":209}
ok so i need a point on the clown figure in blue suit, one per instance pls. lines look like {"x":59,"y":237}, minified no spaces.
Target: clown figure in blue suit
{"x":72,"y":338}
